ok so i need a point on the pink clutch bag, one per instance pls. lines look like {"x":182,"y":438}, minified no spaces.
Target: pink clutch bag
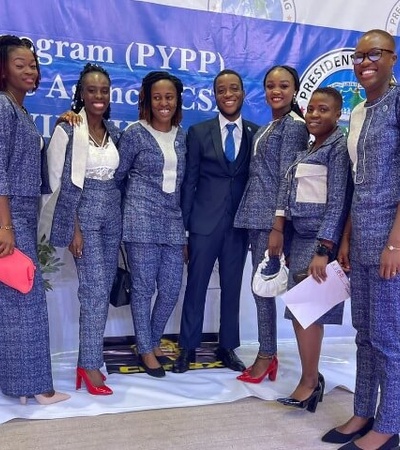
{"x":17,"y":271}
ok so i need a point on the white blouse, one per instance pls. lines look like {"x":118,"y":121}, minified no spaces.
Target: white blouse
{"x":166,"y":142}
{"x":102,"y":161}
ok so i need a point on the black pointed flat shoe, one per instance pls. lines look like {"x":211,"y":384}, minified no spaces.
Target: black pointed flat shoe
{"x":336,"y":437}
{"x":390,"y":444}
{"x":158,"y":372}
{"x":162,"y":359}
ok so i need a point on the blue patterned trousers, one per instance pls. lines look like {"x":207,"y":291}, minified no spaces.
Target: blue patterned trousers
{"x":375,"y":308}
{"x":99,"y":215}
{"x":266,"y":307}
{"x":153,"y":265}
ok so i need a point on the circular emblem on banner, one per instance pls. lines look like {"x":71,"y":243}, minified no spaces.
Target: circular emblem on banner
{"x":334,"y":69}
{"x":393,"y":20}
{"x":280,"y":10}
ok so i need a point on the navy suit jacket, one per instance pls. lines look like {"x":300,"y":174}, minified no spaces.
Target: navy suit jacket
{"x":212,"y":186}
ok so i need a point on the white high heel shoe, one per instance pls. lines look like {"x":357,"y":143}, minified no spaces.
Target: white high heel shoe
{"x":45,"y":400}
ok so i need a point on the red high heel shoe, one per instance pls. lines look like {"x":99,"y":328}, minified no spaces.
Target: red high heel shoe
{"x":91,"y":388}
{"x":271,"y":371}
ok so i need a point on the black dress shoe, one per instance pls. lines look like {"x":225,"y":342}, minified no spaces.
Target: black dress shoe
{"x":229,"y":359}
{"x":182,"y":363}
{"x":336,"y":437}
{"x":391,"y":444}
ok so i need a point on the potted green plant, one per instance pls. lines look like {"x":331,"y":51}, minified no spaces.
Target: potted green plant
{"x":48,"y":260}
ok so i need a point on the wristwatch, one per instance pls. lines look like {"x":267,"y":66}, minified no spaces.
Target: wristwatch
{"x":323,"y":250}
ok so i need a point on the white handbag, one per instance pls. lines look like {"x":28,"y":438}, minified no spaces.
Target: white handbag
{"x":270,"y":285}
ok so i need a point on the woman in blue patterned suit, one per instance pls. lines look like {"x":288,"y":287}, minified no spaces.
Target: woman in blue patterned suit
{"x":374,"y":234}
{"x":262,"y":209}
{"x":87,"y":218}
{"x":153,"y":159}
{"x":25,"y":365}
{"x":318,"y":207}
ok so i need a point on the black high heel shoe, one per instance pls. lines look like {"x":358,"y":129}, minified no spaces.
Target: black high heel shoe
{"x":321,"y":381}
{"x":310,"y":403}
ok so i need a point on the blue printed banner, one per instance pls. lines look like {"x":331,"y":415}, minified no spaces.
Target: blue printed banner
{"x":131,"y":38}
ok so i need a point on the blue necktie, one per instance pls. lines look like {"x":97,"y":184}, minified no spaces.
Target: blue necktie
{"x":230,"y":142}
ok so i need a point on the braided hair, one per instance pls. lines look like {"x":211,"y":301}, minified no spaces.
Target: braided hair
{"x":145,"y":112}
{"x":293,"y":72}
{"x":77,"y":102}
{"x":8,"y":43}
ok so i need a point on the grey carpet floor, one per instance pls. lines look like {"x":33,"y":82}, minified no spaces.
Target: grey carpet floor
{"x":247,"y":424}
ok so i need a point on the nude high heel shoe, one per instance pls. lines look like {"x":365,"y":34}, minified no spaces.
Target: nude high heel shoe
{"x":43,"y":399}
{"x":55,"y":398}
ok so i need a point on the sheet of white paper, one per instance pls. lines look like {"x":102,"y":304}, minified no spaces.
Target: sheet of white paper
{"x":309,"y":300}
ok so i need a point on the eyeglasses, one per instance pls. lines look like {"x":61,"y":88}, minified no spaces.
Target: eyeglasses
{"x":373,"y":55}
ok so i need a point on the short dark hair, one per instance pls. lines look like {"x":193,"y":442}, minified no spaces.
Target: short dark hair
{"x":332,"y":92}
{"x":9,"y":42}
{"x":145,"y":112}
{"x":227,"y":72}
{"x":77,"y":102}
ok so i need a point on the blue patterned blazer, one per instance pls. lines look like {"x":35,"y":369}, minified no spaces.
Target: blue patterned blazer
{"x":61,"y":215}
{"x":275,"y":148}
{"x":320,"y":189}
{"x":374,"y":148}
{"x":150,"y":214}
{"x":20,"y":151}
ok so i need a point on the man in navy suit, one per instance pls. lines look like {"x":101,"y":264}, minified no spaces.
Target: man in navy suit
{"x":217,"y":169}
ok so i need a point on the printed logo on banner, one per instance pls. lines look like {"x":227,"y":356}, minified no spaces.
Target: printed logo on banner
{"x":281,"y":10}
{"x":140,"y":54}
{"x":334,"y":69}
{"x":393,"y":20}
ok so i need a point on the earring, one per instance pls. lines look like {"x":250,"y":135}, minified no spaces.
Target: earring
{"x":294,"y":101}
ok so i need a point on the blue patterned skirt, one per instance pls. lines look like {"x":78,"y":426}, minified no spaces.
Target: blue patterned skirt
{"x":301,"y":253}
{"x":25,"y":366}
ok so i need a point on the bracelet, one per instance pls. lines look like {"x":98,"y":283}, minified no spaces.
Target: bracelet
{"x":276,"y":229}
{"x":391,"y":247}
{"x":6,"y":227}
